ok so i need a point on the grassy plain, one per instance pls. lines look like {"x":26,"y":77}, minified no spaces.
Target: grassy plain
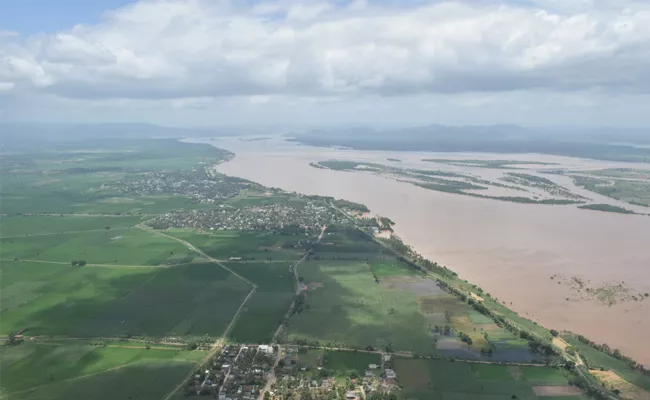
{"x":131,"y":246}
{"x":255,"y":246}
{"x":49,"y":371}
{"x":342,"y":362}
{"x":80,"y":176}
{"x":194,"y":299}
{"x":50,"y":225}
{"x":264,"y":311}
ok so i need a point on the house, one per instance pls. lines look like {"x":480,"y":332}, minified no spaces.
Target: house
{"x":234,"y":259}
{"x":373,"y":366}
{"x":390,"y":374}
{"x":386,"y":357}
{"x":265,"y":348}
{"x":369,"y":374}
{"x":350,"y":395}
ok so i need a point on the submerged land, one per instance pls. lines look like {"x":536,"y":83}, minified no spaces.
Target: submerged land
{"x":139,"y":269}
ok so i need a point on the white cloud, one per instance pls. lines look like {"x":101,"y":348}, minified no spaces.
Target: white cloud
{"x":198,"y":48}
{"x":196,"y":53}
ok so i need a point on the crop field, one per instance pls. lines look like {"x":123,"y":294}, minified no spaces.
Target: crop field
{"x":69,"y":180}
{"x":48,"y":225}
{"x":391,"y":267}
{"x":249,"y":245}
{"x":346,"y":306}
{"x":194,"y":299}
{"x":123,"y":247}
{"x":442,"y":379}
{"x":46,"y":371}
{"x":263,"y":313}
{"x":342,"y":362}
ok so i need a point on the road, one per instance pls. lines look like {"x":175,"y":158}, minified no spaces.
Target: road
{"x":219,"y":343}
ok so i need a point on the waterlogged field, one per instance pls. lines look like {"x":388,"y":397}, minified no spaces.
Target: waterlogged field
{"x":51,"y":299}
{"x":363,"y":297}
{"x":346,"y":307}
{"x":442,"y":379}
{"x":53,"y":371}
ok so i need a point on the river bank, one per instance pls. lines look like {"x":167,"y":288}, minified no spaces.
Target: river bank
{"x":524,"y":254}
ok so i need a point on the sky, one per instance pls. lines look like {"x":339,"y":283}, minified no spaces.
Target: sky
{"x":326,"y":62}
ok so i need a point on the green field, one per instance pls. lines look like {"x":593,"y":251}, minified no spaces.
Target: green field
{"x":342,"y":362}
{"x":123,"y":247}
{"x":80,"y":176}
{"x":263,"y":313}
{"x":251,"y":245}
{"x":391,"y":267}
{"x":48,"y":225}
{"x":194,"y":299}
{"x":346,"y":306}
{"x":50,"y":371}
{"x":441,"y":379}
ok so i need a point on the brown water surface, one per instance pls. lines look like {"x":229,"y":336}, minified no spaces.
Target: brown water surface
{"x":511,"y":250}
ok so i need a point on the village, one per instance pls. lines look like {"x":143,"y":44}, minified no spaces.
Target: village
{"x":272,"y":372}
{"x":199,"y":184}
{"x":291,"y":217}
{"x":302,"y":373}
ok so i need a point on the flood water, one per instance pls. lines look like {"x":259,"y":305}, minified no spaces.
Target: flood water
{"x":511,"y":250}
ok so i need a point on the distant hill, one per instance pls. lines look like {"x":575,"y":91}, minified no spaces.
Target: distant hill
{"x":601,"y":143}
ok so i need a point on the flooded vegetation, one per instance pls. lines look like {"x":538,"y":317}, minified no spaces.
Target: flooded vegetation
{"x":510,"y":249}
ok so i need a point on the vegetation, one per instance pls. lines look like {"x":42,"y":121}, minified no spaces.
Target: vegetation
{"x":52,"y":371}
{"x":606,"y":208}
{"x":633,"y":188}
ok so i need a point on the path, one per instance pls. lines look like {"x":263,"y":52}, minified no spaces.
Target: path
{"x":95,"y":265}
{"x":64,"y":232}
{"x":219,"y":342}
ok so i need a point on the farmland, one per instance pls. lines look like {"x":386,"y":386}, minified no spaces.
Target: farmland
{"x":93,"y":302}
{"x":48,"y":370}
{"x":441,"y":379}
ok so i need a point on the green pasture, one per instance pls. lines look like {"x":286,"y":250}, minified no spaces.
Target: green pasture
{"x":121,"y":247}
{"x":391,"y":267}
{"x":264,"y":311}
{"x":49,"y":225}
{"x":256,"y":246}
{"x":342,"y":362}
{"x":194,"y":299}
{"x":30,"y":365}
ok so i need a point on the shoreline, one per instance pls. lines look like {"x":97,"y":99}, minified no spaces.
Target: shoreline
{"x":489,"y":242}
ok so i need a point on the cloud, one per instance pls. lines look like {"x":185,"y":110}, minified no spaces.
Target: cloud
{"x":201,"y":49}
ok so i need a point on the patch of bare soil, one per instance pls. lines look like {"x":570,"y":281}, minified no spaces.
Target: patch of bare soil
{"x":418,"y":286}
{"x":628,"y":390}
{"x":556,"y":391}
{"x":476,"y":297}
{"x":515,"y":372}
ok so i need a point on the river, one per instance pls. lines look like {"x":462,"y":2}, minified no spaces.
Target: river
{"x":511,"y":250}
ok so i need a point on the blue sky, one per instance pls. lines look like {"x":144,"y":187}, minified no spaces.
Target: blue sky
{"x":35,"y":16}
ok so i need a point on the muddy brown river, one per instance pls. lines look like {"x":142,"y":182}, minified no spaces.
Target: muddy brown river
{"x":511,"y":250}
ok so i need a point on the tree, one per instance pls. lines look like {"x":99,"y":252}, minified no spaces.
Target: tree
{"x":81,"y":263}
{"x":554,"y":332}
